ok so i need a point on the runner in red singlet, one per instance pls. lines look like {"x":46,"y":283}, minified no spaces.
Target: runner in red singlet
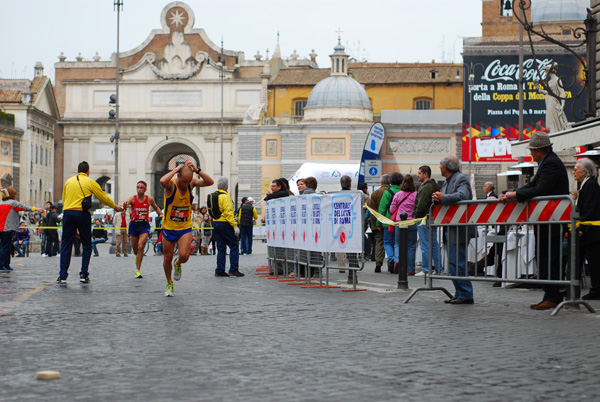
{"x":139,"y":227}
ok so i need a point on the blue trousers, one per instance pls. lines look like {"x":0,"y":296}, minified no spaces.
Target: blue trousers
{"x":412,"y":246}
{"x":226,"y":237}
{"x":21,"y":247}
{"x":96,"y":241}
{"x":73,"y":221}
{"x":5,"y":245}
{"x":423,"y":232}
{"x":463,"y":289}
{"x":246,"y":239}
{"x":388,"y":244}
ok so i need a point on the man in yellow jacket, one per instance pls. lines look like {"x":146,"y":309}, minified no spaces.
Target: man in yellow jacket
{"x":226,"y":232}
{"x":76,"y":219}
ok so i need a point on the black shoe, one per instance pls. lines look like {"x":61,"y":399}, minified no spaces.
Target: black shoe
{"x":591,"y":296}
{"x":61,"y":280}
{"x":236,"y":273}
{"x":458,"y":300}
{"x":84,"y":279}
{"x":117,"y":255}
{"x":448,"y":301}
{"x":378,"y":268}
{"x":222,"y":274}
{"x":390,"y":267}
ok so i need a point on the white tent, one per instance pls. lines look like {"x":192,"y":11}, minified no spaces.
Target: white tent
{"x":327,"y":175}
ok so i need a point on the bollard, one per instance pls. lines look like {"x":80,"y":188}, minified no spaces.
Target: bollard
{"x":402,"y":262}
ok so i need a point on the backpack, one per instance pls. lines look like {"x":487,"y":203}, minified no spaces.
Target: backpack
{"x":212,"y":202}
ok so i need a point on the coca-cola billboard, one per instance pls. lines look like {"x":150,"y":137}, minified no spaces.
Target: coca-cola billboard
{"x":494,"y":96}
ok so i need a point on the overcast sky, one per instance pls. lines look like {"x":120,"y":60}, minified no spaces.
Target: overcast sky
{"x":376,"y":30}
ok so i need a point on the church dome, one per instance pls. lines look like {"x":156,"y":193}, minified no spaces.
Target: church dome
{"x":338,"y":90}
{"x":558,"y":10}
{"x":338,"y":97}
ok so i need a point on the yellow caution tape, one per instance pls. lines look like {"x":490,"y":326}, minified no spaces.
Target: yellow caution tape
{"x":388,"y":221}
{"x":588,"y":223}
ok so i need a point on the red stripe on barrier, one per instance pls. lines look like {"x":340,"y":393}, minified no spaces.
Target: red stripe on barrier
{"x":449,"y":214}
{"x":548,"y":210}
{"x":487,"y":212}
{"x":566,"y":216}
{"x":530,"y":208}
{"x":507,"y":210}
{"x":436,"y":211}
{"x":522,"y":216}
{"x":463,"y":218}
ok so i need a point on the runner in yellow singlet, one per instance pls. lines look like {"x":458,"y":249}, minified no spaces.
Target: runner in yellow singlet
{"x":177,"y":214}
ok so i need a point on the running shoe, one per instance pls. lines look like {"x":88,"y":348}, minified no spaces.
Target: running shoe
{"x":61,"y":280}
{"x":84,"y":279}
{"x":138,"y":274}
{"x":169,"y":292}
{"x":177,"y":265}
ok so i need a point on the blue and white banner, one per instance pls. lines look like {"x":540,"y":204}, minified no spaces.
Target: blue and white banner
{"x":372,"y":147}
{"x":316,"y":222}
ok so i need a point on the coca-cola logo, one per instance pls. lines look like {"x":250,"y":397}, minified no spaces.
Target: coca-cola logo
{"x":496,"y":70}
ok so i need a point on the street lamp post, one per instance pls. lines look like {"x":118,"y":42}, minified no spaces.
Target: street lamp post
{"x":113,"y":114}
{"x":221,"y":77}
{"x":470,"y":82}
{"x":221,"y":65}
{"x":119,"y":6}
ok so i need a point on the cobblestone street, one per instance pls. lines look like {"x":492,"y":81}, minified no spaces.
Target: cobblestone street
{"x":254,"y":339}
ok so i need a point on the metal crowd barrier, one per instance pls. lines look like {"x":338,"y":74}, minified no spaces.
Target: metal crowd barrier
{"x":515,"y":225}
{"x":307,"y":266}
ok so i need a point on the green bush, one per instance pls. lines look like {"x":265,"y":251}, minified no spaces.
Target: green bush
{"x":7,"y":119}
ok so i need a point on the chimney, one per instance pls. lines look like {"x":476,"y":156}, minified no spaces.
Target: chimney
{"x":38,"y":70}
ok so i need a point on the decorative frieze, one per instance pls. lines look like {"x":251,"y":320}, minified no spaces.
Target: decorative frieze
{"x":403,"y":146}
{"x":328,"y":146}
{"x":176,"y":98}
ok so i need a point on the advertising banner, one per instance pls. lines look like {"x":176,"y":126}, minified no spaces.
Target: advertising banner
{"x":316,"y":222}
{"x":491,"y":103}
{"x":372,"y":147}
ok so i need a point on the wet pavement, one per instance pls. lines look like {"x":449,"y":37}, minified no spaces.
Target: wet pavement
{"x":257,"y":339}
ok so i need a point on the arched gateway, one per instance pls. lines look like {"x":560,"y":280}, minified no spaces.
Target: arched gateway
{"x":165,"y":159}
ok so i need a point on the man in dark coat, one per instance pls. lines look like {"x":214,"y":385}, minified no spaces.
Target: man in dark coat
{"x":455,"y":189}
{"x":52,"y":242}
{"x":551,"y":179}
{"x":588,"y":204}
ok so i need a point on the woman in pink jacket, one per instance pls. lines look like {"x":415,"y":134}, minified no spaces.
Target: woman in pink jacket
{"x":404,"y":201}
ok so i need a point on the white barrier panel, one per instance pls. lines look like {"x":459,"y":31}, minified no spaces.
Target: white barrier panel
{"x":316,"y":222}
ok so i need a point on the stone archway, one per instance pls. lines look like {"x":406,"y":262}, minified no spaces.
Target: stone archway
{"x":164,"y":160}
{"x":105,"y":184}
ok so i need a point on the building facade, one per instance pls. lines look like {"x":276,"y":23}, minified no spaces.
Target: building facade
{"x":490,"y":121}
{"x":27,"y":148}
{"x":180,"y":97}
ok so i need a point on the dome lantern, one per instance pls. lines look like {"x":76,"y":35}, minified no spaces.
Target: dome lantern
{"x":339,"y":59}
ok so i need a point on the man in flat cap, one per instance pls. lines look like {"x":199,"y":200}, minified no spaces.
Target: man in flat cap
{"x":551,"y":179}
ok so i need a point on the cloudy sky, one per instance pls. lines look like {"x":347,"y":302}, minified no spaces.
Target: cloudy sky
{"x":376,"y":30}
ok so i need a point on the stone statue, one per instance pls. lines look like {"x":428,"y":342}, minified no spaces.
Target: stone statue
{"x":6,"y":180}
{"x":556,"y":120}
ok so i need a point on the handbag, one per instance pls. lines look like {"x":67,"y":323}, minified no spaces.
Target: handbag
{"x":86,"y":203}
{"x":394,"y":215}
